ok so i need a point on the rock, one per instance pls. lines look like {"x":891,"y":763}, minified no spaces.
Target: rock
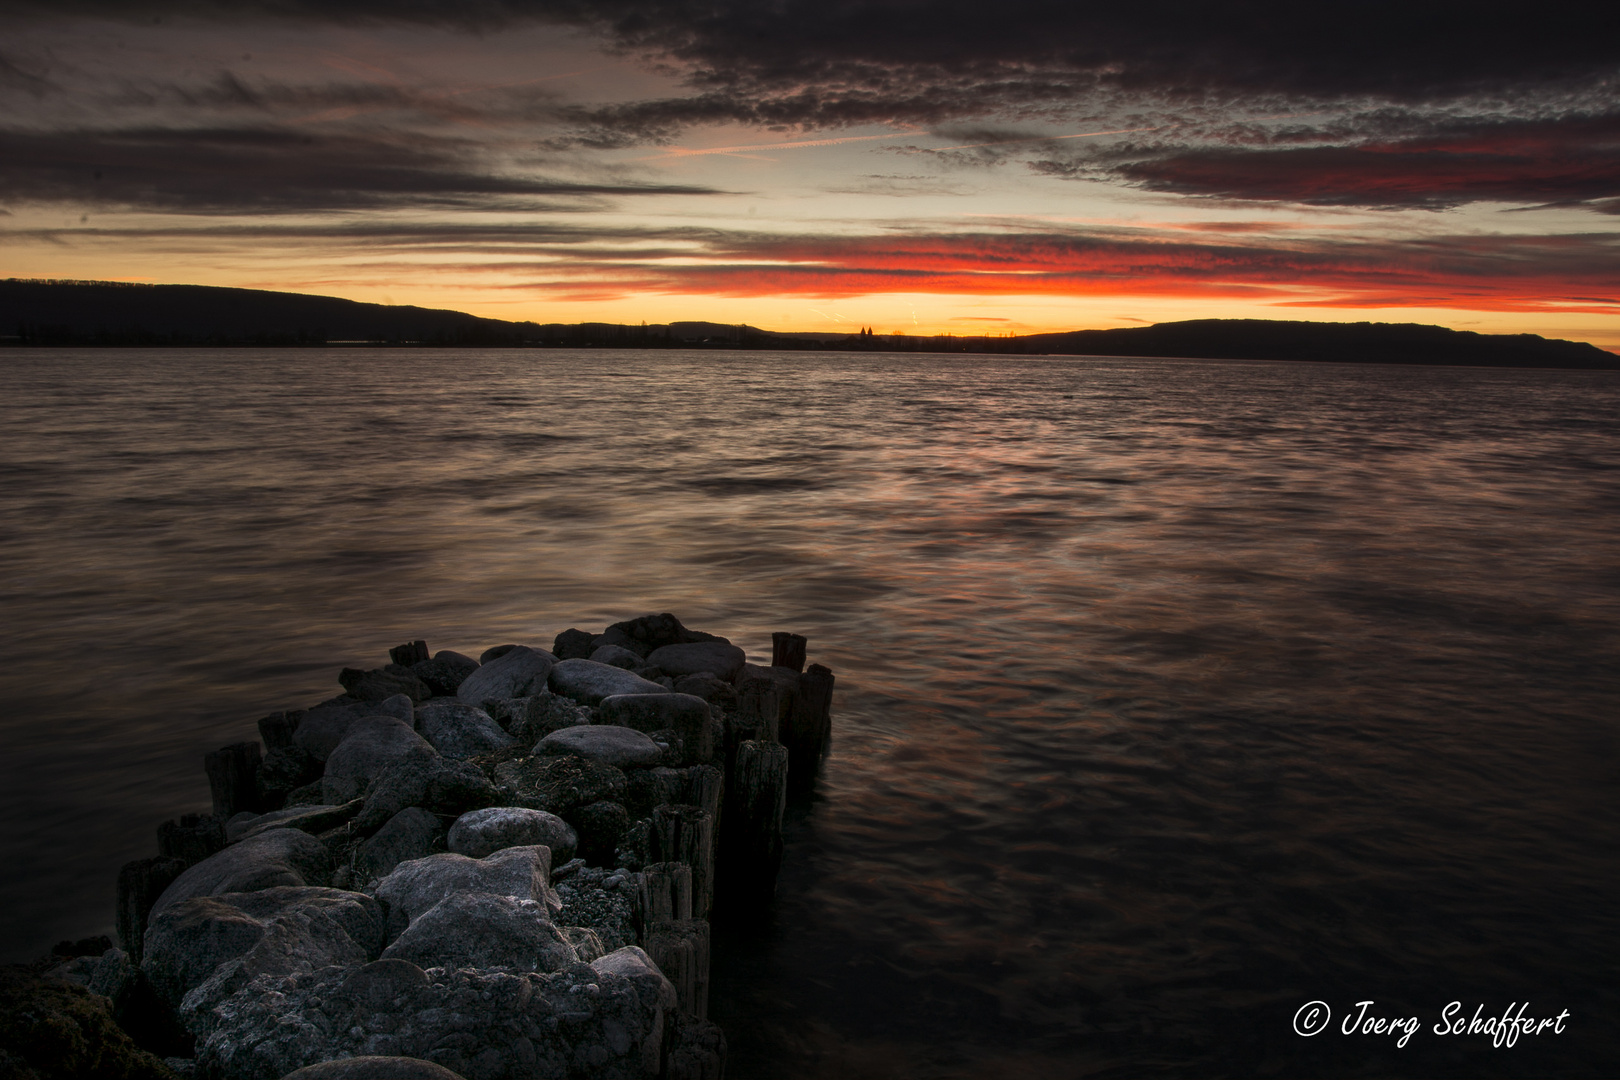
{"x":371,"y":747}
{"x":519,"y":672}
{"x":276,"y":858}
{"x":51,"y":1029}
{"x":572,"y":644}
{"x":620,"y":747}
{"x":716,"y":657}
{"x":576,"y":1023}
{"x":483,"y":930}
{"x":445,"y":673}
{"x":710,"y":688}
{"x":324,"y":726}
{"x":651,"y":632}
{"x":532,"y":718}
{"x":381,"y":683}
{"x":409,"y":834}
{"x":460,"y":731}
{"x":558,"y":784}
{"x":417,"y":885}
{"x":444,"y":787}
{"x":587,"y":945}
{"x":276,"y":730}
{"x":610,"y":912}
{"x":618,"y":656}
{"x":588,"y":682}
{"x":482,"y":832}
{"x":273,"y":931}
{"x":495,"y":652}
{"x":599,"y":826}
{"x":374,"y":1067}
{"x":308,"y":795}
{"x":688,"y":716}
{"x":193,"y":838}
{"x":310,"y":819}
{"x":283,"y":771}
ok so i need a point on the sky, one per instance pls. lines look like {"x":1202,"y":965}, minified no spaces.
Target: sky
{"x":919,"y":167}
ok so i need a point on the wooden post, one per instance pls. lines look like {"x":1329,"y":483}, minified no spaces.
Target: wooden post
{"x":413,"y":652}
{"x":140,"y":883}
{"x":706,"y":788}
{"x":233,"y":778}
{"x":277,"y":729}
{"x":787,"y":650}
{"x":759,"y":707}
{"x":685,"y":833}
{"x":807,"y":734}
{"x":680,"y":948}
{"x":193,"y":838}
{"x":753,"y":838}
{"x":666,"y":890}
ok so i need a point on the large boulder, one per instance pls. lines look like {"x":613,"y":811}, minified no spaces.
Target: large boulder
{"x":649,"y":632}
{"x":618,"y":656}
{"x":518,"y":672}
{"x":276,"y":858}
{"x":409,"y":834}
{"x":384,"y":682}
{"x":371,"y":747}
{"x":573,"y":644}
{"x":710,"y":687}
{"x":324,"y":726}
{"x":274,"y":931}
{"x":579,"y":1023}
{"x":716,"y":657}
{"x":482,"y":832}
{"x":374,"y":1067}
{"x":460,"y":731}
{"x":445,"y":673}
{"x":558,"y":784}
{"x":588,"y":682}
{"x":433,"y":783}
{"x":417,"y":885}
{"x":310,"y":819}
{"x":483,"y":930}
{"x":689,"y":717}
{"x":620,"y":747}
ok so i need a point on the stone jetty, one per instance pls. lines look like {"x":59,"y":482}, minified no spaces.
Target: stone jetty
{"x":491,"y":868}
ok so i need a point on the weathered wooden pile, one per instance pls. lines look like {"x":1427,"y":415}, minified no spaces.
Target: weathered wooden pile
{"x":502,"y":867}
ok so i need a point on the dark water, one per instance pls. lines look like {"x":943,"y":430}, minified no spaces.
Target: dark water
{"x":1171,"y":695}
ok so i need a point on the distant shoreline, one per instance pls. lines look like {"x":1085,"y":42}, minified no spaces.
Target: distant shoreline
{"x":80,"y":314}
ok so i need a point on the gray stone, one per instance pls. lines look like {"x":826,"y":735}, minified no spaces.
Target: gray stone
{"x":445,"y":673}
{"x":417,"y":885}
{"x":409,"y":834}
{"x":276,"y":858}
{"x":716,"y":657}
{"x":324,"y":726}
{"x":374,"y":1067}
{"x":587,"y":945}
{"x":609,"y":910}
{"x":434,"y":783}
{"x":371,"y":747}
{"x":689,"y":717}
{"x":273,"y":931}
{"x":484,"y":931}
{"x":399,"y":706}
{"x":577,"y":1023}
{"x":588,"y":682}
{"x":482,"y":832}
{"x":283,"y":771}
{"x":572,"y":644}
{"x":558,"y":784}
{"x":460,"y":731}
{"x":618,"y":656}
{"x":310,"y":819}
{"x":621,"y":747}
{"x":517,"y":673}
{"x":650,"y":632}
{"x":710,"y":687}
{"x":495,"y":652}
{"x":382,"y":683}
{"x":532,"y":718}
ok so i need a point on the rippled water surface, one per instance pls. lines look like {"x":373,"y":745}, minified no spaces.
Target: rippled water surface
{"x":1171,"y":695}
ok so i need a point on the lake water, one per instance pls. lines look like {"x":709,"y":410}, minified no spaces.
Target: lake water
{"x":1171,"y":695}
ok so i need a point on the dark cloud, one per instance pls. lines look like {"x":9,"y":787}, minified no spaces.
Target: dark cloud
{"x":270,"y":169}
{"x":1566,"y":161}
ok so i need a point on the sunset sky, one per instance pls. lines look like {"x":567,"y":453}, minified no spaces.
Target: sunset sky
{"x":925,"y":167}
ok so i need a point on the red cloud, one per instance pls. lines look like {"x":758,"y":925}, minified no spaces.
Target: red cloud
{"x":1515,"y":273}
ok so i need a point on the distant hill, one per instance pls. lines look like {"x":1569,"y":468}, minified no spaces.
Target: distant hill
{"x":88,"y":313}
